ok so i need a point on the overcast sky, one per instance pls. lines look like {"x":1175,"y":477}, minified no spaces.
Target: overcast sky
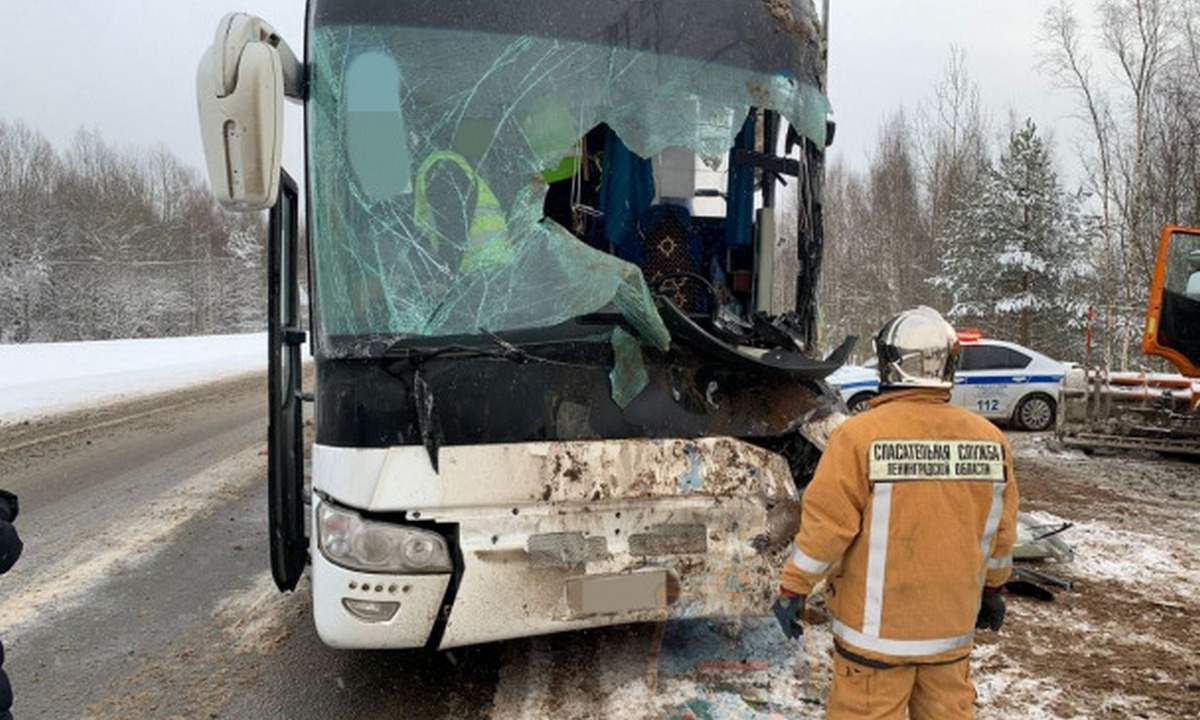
{"x":126,"y":68}
{"x":886,"y":54}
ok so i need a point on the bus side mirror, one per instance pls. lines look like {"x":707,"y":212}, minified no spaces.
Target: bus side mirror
{"x":240,"y":86}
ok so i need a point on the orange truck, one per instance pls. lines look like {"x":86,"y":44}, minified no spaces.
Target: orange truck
{"x":1142,"y":410}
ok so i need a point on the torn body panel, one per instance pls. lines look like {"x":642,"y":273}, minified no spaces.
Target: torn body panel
{"x":402,"y":479}
{"x":553,"y":535}
{"x":1037,"y":540}
{"x":557,"y":390}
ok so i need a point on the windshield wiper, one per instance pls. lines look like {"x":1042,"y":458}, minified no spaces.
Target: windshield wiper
{"x":503,"y":350}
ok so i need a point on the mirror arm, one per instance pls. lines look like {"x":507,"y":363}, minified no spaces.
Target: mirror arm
{"x":294,"y":84}
{"x":237,"y":30}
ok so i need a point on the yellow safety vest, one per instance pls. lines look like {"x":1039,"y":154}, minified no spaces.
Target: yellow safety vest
{"x":487,"y":235}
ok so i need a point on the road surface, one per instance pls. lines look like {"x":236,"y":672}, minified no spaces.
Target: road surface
{"x":144,"y":589}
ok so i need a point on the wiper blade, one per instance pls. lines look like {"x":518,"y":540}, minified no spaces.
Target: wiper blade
{"x":399,"y":351}
{"x":507,"y":350}
{"x":504,"y":350}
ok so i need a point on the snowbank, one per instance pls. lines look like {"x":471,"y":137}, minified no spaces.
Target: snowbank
{"x":40,"y":378}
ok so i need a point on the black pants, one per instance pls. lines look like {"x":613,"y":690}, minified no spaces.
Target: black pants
{"x":6,"y":697}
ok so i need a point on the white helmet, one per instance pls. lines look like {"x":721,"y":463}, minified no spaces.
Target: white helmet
{"x":917,"y":348}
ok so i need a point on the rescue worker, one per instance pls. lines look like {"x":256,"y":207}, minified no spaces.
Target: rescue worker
{"x":10,"y":550}
{"x":911,"y":516}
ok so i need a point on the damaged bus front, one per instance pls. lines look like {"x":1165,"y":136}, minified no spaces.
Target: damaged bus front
{"x":562,"y":266}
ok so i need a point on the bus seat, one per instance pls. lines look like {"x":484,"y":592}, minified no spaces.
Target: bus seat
{"x":665,"y":243}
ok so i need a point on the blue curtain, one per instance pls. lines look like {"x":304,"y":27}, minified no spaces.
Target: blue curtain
{"x":739,"y":203}
{"x":626,"y":189}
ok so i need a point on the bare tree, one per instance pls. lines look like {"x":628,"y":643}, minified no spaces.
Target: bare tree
{"x":100,"y":243}
{"x":1072,"y":67}
{"x":1136,"y":41}
{"x":849,"y":289}
{"x":953,"y":144}
{"x":901,"y":246}
{"x":29,"y":229}
{"x":878,"y":252}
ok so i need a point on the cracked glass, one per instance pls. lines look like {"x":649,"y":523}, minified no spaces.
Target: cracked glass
{"x":430,"y":151}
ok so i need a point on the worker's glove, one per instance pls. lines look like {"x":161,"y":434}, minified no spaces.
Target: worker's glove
{"x":9,"y":508}
{"x":991,"y":610}
{"x":787,"y":609}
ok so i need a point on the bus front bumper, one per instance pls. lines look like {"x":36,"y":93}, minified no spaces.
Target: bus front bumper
{"x":560,"y":536}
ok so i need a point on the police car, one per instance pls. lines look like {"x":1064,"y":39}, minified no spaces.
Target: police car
{"x":858,"y":384}
{"x":999,"y":380}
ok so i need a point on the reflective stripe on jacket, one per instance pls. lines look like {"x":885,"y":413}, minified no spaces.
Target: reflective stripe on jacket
{"x":487,"y":234}
{"x":911,"y":511}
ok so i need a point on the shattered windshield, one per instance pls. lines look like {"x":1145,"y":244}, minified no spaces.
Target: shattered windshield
{"x":431,"y":152}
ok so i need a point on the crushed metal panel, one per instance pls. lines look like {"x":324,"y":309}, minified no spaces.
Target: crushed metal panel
{"x":531,"y":516}
{"x":589,"y":471}
{"x":1038,"y":540}
{"x":507,"y":591}
{"x":818,"y":425}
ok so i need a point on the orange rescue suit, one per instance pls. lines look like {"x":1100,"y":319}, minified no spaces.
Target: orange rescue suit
{"x":911,"y":511}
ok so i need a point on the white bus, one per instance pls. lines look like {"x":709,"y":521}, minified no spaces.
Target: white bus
{"x":562,"y":379}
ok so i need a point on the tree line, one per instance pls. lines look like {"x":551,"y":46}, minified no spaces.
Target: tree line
{"x":975,"y":220}
{"x":98,"y":243}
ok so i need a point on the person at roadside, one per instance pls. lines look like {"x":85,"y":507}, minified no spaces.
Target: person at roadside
{"x":10,"y":550}
{"x":911,"y":517}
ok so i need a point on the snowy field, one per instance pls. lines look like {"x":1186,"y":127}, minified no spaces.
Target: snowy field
{"x":43,"y":378}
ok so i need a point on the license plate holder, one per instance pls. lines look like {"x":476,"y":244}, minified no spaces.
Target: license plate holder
{"x":620,"y":592}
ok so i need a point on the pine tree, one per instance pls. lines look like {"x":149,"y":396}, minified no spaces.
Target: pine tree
{"x":1015,"y":257}
{"x":967,"y":245}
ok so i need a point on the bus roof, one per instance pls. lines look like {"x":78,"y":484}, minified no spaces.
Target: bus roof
{"x":769,"y":36}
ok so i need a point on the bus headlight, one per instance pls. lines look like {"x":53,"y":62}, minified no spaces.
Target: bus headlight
{"x":349,"y":540}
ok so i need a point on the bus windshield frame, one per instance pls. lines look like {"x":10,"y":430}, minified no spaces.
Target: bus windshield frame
{"x":431,"y":150}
